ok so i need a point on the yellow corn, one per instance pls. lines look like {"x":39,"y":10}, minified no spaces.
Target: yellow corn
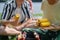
{"x":42,"y":20}
{"x":45,"y":24}
{"x":17,"y":17}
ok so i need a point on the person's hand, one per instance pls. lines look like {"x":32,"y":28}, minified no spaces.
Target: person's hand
{"x":8,"y":31}
{"x":5,"y":22}
{"x":31,"y":22}
{"x":31,"y":25}
{"x":52,"y":27}
{"x":11,"y":31}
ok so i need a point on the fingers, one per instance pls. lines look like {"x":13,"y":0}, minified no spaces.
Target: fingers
{"x":55,"y":25}
{"x":32,"y":25}
{"x":34,"y":18}
{"x":31,"y":21}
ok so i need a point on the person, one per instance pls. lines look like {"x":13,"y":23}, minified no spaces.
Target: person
{"x":10,"y":9}
{"x":51,"y":11}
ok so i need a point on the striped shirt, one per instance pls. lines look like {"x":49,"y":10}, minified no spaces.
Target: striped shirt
{"x":11,"y":6}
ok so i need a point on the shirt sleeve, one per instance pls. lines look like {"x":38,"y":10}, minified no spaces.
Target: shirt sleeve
{"x":7,"y":11}
{"x":26,"y":6}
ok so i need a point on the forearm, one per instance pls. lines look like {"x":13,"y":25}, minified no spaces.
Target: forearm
{"x":24,"y":24}
{"x":21,"y":26}
{"x":57,"y":28}
{"x":52,"y":28}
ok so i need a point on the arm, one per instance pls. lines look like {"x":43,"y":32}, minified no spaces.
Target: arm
{"x":5,"y":14}
{"x":8,"y":31}
{"x":23,"y":25}
{"x":5,"y":30}
{"x":52,"y":27}
{"x":31,"y":5}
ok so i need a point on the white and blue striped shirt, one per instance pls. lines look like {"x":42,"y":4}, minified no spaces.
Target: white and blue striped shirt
{"x":10,"y":6}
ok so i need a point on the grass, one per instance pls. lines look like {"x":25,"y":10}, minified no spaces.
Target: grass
{"x":0,"y":15}
{"x":38,"y":14}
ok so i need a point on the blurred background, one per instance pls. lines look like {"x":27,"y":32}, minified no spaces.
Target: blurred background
{"x":37,"y":12}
